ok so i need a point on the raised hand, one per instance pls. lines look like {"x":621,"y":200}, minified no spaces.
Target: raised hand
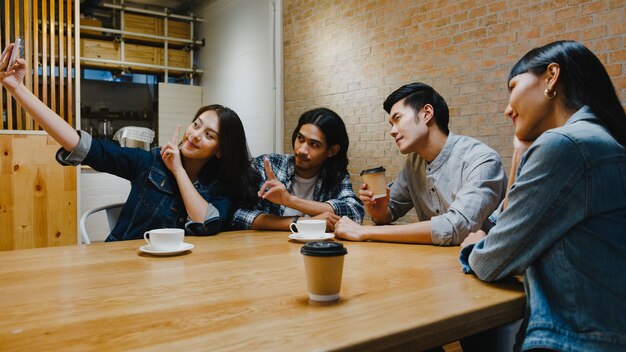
{"x":171,"y":154}
{"x":14,"y":76}
{"x":273,"y":190}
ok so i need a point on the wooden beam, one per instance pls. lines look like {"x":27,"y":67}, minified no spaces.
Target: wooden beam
{"x":61,"y":64}
{"x":16,"y":32}
{"x":53,"y":83}
{"x":27,"y":42}
{"x":7,"y":40}
{"x":44,"y":49}
{"x":36,"y":54}
{"x":70,"y":100}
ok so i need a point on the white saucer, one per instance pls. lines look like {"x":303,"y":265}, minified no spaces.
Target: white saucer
{"x":322,"y":237}
{"x":148,"y":249}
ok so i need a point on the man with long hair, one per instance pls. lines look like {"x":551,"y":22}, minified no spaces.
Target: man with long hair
{"x":313,"y":182}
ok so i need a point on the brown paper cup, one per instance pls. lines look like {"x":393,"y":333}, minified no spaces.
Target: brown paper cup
{"x":323,"y":265}
{"x":375,"y":179}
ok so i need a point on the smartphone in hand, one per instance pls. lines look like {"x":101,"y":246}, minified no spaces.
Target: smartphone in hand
{"x":14,"y":53}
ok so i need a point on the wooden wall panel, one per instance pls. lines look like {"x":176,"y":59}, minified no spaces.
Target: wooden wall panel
{"x":48,"y":46}
{"x":37,"y":195}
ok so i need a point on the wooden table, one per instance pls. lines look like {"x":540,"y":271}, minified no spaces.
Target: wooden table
{"x":241,"y":291}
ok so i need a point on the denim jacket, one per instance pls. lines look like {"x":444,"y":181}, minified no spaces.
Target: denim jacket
{"x":154,"y":200}
{"x":565,"y":228}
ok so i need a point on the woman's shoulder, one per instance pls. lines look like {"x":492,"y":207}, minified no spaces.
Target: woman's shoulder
{"x":554,"y":149}
{"x":589,"y":136}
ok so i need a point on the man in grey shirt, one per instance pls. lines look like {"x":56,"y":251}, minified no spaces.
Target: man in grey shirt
{"x":454,"y":182}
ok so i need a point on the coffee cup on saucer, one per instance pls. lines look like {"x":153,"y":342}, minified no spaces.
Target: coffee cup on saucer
{"x":168,"y":239}
{"x":308,"y":228}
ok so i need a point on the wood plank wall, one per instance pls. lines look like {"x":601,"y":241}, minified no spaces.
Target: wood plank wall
{"x":46,"y":27}
{"x":37,"y":195}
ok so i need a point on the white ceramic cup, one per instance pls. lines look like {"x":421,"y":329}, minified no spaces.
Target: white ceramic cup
{"x":165,"y":239}
{"x":308,"y":228}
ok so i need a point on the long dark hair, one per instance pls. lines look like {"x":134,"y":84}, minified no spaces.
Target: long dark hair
{"x":233,"y":169}
{"x":585,"y":81}
{"x":335,"y":132}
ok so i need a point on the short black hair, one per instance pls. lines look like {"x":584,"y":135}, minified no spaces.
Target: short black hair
{"x":418,"y":94}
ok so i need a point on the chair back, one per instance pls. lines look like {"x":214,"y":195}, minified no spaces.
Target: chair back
{"x":112,"y":213}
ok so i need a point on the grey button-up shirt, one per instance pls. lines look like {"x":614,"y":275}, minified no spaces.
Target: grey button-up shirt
{"x":457,"y":191}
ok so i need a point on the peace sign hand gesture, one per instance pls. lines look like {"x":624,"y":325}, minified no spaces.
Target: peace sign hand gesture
{"x":273,"y":190}
{"x":171,"y":154}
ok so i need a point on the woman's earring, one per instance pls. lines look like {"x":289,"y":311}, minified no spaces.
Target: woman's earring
{"x":549,"y":93}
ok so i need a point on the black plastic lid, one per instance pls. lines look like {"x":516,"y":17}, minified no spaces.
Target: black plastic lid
{"x":324,"y":249}
{"x":373,"y":171}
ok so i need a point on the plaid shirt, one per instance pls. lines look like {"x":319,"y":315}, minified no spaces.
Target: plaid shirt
{"x":342,"y":198}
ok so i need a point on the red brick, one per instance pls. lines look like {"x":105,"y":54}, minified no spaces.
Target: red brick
{"x":488,"y":20}
{"x":617,"y":56}
{"x":618,"y":28}
{"x":614,"y":70}
{"x":566,"y":13}
{"x":498,"y":6}
{"x":593,"y":7}
{"x":478,"y":12}
{"x":594,"y":32}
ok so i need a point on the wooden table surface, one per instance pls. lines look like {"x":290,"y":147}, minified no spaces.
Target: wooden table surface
{"x":241,"y":291}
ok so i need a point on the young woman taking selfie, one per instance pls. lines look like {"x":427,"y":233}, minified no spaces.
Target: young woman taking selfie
{"x":191,"y":185}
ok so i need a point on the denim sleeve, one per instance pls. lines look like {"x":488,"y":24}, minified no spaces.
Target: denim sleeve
{"x":400,"y":201}
{"x":492,"y":220}
{"x":215,"y":219}
{"x":546,"y":200}
{"x":480,"y":194}
{"x":78,"y":154}
{"x":346,"y":202}
{"x":106,"y":156}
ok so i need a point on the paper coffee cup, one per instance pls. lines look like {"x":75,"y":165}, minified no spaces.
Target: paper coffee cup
{"x":375,"y":179}
{"x":323,"y":265}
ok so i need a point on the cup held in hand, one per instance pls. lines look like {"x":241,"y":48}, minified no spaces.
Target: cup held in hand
{"x":165,"y":239}
{"x":375,"y":179}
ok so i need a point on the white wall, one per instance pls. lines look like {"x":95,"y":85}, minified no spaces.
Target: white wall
{"x":239,"y":66}
{"x":178,"y":104}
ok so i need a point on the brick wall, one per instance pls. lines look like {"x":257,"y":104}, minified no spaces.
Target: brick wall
{"x":348,"y":55}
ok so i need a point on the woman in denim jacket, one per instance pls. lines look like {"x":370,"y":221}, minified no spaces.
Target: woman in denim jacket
{"x":564,"y":219}
{"x":192,"y":185}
